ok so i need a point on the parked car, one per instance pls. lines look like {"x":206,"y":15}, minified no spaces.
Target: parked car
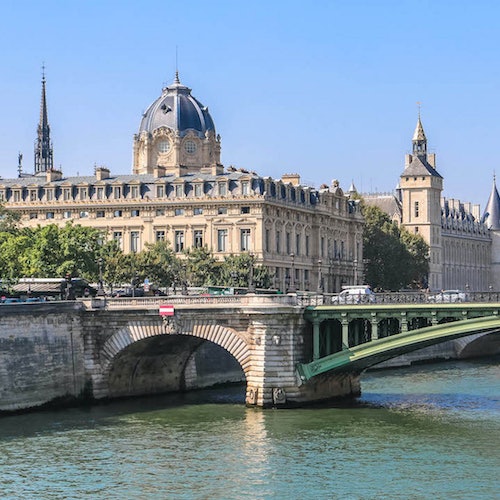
{"x":354,"y":295}
{"x":449,"y":296}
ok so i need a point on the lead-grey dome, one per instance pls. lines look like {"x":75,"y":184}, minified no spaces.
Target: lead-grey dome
{"x":178,"y":110}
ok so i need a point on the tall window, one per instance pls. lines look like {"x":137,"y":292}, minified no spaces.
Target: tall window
{"x":160,"y":191}
{"x":198,"y":238}
{"x":179,"y":241}
{"x":118,"y":237}
{"x":67,"y":194}
{"x":50,"y":195}
{"x":100,"y":193}
{"x":160,"y":235}
{"x":222,"y":188}
{"x":134,"y":192}
{"x":83,"y":193}
{"x":244,"y":187}
{"x":117,"y":192}
{"x":245,"y":240}
{"x":179,"y":190}
{"x":297,"y":244}
{"x":416,"y":209}
{"x":33,"y":195}
{"x":134,"y":241}
{"x":221,"y":240}
{"x":307,"y":245}
{"x":287,"y":244}
{"x":278,"y":241}
{"x":267,"y":240}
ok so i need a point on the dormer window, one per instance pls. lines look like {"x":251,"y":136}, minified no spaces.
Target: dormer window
{"x":245,"y":187}
{"x":117,"y":192}
{"x":134,"y":192}
{"x":33,"y":195}
{"x":222,"y":187}
{"x":198,"y":191}
{"x":190,"y":147}
{"x":179,"y":190}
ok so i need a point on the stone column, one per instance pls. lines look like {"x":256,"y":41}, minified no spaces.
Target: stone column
{"x":374,"y":322}
{"x":345,"y":332}
{"x":316,"y":334}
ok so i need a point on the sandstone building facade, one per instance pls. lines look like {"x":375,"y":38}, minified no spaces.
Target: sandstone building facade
{"x":179,"y":191}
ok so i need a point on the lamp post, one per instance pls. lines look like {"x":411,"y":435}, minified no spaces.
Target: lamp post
{"x":292,"y":288}
{"x":320,"y":277}
{"x":184,"y":280}
{"x":355,"y":263}
{"x":251,"y":284}
{"x":100,"y":290}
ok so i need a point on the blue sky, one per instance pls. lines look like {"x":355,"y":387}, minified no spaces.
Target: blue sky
{"x":327,"y":89}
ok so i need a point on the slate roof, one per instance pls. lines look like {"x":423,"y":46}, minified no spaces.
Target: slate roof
{"x":491,"y":215}
{"x":419,"y":166}
{"x":178,"y":110}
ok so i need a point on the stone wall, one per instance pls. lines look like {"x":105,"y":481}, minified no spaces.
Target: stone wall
{"x":41,"y":354}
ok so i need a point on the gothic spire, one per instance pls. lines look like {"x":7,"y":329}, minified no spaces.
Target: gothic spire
{"x":419,"y":140}
{"x":43,"y":147}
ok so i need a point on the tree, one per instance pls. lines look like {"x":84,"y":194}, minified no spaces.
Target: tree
{"x":202,"y":267}
{"x":158,"y":263}
{"x":395,"y":258}
{"x":9,"y":220}
{"x":235,"y":271}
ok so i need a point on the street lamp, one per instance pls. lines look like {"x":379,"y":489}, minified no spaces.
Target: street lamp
{"x":251,"y":284}
{"x":184,"y":280}
{"x":100,"y":291}
{"x":320,"y":277}
{"x":292,"y":288}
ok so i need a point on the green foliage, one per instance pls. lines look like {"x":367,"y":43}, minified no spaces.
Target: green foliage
{"x":51,"y":251}
{"x":202,"y":267}
{"x":9,"y":221}
{"x":395,"y":258}
{"x":158,"y":263}
{"x":235,"y":271}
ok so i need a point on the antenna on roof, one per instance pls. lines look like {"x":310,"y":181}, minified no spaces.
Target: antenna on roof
{"x":176,"y":66}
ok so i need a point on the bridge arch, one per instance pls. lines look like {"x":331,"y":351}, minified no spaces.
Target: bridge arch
{"x":225,"y":337}
{"x":124,"y":357}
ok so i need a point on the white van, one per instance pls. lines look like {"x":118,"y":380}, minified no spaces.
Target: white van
{"x":360,"y":294}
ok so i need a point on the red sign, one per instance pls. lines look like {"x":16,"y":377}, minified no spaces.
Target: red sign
{"x":166,"y":310}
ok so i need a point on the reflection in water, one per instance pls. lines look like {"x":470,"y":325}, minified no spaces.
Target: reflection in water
{"x":424,"y":432}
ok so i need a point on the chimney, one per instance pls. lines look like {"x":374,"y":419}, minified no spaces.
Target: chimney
{"x":293,"y":179}
{"x":102,"y":173}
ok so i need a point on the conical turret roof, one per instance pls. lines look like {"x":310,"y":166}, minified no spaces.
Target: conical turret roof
{"x":419,"y":134}
{"x":491,"y":215}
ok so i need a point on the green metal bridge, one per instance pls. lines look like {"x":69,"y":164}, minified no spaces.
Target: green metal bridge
{"x":354,"y":338}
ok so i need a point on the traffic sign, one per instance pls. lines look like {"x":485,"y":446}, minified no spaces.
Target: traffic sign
{"x":166,"y":310}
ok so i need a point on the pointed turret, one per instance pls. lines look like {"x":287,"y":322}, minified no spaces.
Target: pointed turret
{"x":44,"y":160}
{"x":419,"y":140}
{"x":491,"y":215}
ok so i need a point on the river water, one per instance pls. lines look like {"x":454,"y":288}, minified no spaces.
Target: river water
{"x":426,"y":432}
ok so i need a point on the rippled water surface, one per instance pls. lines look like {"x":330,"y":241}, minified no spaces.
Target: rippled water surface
{"x":418,"y":433}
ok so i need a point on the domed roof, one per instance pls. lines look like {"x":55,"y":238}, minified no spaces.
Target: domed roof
{"x":178,"y":110}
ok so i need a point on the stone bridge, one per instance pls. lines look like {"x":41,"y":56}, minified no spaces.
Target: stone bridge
{"x":282,"y":346}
